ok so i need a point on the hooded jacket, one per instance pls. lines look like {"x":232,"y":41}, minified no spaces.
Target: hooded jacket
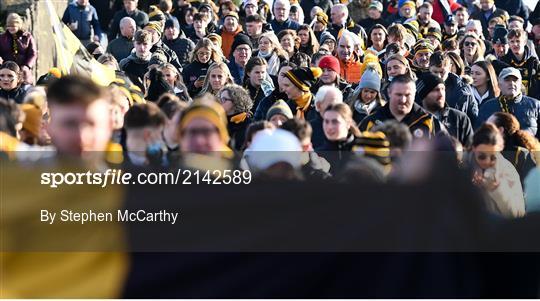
{"x":529,"y":67}
{"x":26,"y":48}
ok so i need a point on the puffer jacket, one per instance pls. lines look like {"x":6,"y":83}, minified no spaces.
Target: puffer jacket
{"x":26,"y":52}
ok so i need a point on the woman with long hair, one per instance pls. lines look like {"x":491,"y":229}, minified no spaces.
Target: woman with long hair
{"x":174,"y":78}
{"x":204,"y":54}
{"x":290,"y":42}
{"x":270,"y":49}
{"x":11,"y":83}
{"x":494,"y":174}
{"x":472,"y":50}
{"x":485,"y":85}
{"x":366,"y":98}
{"x":395,"y":65}
{"x":255,"y":80}
{"x":217,"y":76}
{"x":519,"y":145}
{"x":308,"y":42}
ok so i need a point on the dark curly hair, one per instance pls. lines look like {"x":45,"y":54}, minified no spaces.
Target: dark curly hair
{"x":241,"y":100}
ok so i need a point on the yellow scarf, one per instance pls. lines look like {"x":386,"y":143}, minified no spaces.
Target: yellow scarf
{"x":238,"y":118}
{"x":302,"y":104}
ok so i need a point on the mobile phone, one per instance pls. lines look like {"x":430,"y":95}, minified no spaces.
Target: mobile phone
{"x":202,"y":77}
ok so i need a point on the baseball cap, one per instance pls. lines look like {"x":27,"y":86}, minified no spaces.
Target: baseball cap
{"x":377,"y":5}
{"x":510,"y":71}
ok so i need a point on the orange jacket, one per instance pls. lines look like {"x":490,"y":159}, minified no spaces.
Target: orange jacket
{"x":350,"y":71}
{"x":227,"y":39}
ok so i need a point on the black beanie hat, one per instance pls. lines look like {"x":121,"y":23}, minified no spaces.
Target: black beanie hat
{"x":303,"y":78}
{"x":500,"y":34}
{"x":158,"y":85}
{"x":241,"y":39}
{"x":425,"y":84}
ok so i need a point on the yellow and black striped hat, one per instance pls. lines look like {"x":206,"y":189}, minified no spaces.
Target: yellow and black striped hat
{"x":303,"y":78}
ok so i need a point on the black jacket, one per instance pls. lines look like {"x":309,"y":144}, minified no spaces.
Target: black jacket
{"x":338,"y":153}
{"x":191,"y":73}
{"x":135,"y":68}
{"x":237,"y":132}
{"x":529,"y":67}
{"x":120,"y":48}
{"x":182,"y":47}
{"x":318,"y":138}
{"x":266,"y":103}
{"x":521,"y":158}
{"x":169,"y":54}
{"x":479,"y":15}
{"x":457,"y":124}
{"x":421,"y":124}
{"x":140,"y":17}
{"x":351,"y":26}
{"x":17,"y":94}
{"x":459,"y":96}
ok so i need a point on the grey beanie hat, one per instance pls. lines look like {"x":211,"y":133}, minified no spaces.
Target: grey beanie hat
{"x":325,"y":35}
{"x":370,"y":79}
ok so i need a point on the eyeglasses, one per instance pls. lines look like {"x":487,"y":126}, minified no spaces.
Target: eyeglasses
{"x":205,"y":132}
{"x":246,"y":49}
{"x":484,"y":156}
{"x":223,"y":99}
{"x":467,"y":44}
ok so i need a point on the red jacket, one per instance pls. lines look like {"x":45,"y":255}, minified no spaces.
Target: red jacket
{"x":438,"y":14}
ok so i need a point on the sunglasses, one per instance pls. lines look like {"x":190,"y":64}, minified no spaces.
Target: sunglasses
{"x":466,"y":44}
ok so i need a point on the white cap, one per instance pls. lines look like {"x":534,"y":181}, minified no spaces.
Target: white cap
{"x":272,"y":146}
{"x":510,"y":71}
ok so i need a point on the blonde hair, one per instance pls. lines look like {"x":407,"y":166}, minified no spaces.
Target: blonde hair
{"x":270,"y":35}
{"x":207,"y":88}
{"x":480,"y":50}
{"x":215,"y":55}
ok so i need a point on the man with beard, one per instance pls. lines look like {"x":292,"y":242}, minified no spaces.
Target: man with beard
{"x":431,"y":93}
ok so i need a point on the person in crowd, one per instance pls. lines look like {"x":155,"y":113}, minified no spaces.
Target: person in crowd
{"x":325,"y":97}
{"x":314,"y":167}
{"x":406,"y":10}
{"x":31,"y":127}
{"x":241,"y":51}
{"x":158,"y":47}
{"x":81,"y":122}
{"x":186,"y":18}
{"x":279,"y":113}
{"x":281,"y":21}
{"x":462,"y":16}
{"x":251,"y":131}
{"x":519,"y":145}
{"x":319,"y":25}
{"x":395,"y":65}
{"x":11,"y":85}
{"x":328,"y":41}
{"x":349,"y":60}
{"x":122,"y":46}
{"x":199,"y":29}
{"x":398,"y":135}
{"x":402,"y":107}
{"x":308,"y":42}
{"x":375,"y":10}
{"x":209,"y":14}
{"x":512,"y":100}
{"x":457,"y":66}
{"x":296,"y":84}
{"x":331,"y":76}
{"x":254,"y":29}
{"x":174,"y":79}
{"x":340,"y":131}
{"x":217,"y":77}
{"x":144,"y":124}
{"x":177,"y":42}
{"x":268,"y":101}
{"x":224,"y":9}
{"x":377,"y":40}
{"x":231,"y":28}
{"x":296,"y":14}
{"x":290,"y":42}
{"x":487,"y":11}
{"x":423,"y":49}
{"x":156,"y":84}
{"x":129,"y":10}
{"x":366,"y":98}
{"x":424,"y":18}
{"x":237,"y":105}
{"x":342,"y":21}
{"x":434,"y":35}
{"x":256,"y":81}
{"x":500,"y":42}
{"x":136,"y":64}
{"x":18,"y":45}
{"x":203,"y":129}
{"x":485,"y":85}
{"x":521,"y":57}
{"x":472,"y":50}
{"x":172,"y":107}
{"x":270,"y":49}
{"x":450,"y":28}
{"x":494,"y":174}
{"x":82,"y":18}
{"x":431,"y":93}
{"x":204,"y":55}
{"x":459,"y":94}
